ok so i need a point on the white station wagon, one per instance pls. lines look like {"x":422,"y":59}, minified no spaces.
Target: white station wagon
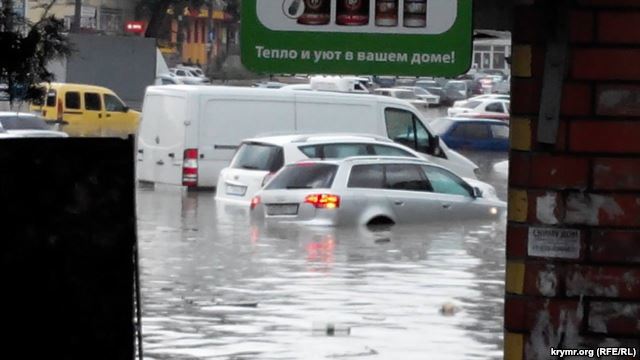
{"x":371,"y":190}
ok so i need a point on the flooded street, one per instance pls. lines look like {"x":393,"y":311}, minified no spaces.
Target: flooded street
{"x":214,"y":287}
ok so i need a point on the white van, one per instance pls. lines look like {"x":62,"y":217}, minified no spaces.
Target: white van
{"x":189,"y":133}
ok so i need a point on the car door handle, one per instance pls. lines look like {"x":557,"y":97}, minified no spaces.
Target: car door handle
{"x":172,"y":155}
{"x":99,"y":116}
{"x":398,"y":202}
{"x":159,"y":162}
{"x":141,"y":151}
{"x":446,"y":206}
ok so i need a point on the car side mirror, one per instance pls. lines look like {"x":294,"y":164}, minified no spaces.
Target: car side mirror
{"x":125,"y":109}
{"x":477,"y":193}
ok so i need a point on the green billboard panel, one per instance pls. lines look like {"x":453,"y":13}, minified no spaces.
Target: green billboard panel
{"x":374,"y":37}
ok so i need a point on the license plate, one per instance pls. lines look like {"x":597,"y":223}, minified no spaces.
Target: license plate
{"x":236,"y":190}
{"x":282,"y":209}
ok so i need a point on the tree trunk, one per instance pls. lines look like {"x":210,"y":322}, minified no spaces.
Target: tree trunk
{"x":157,"y":19}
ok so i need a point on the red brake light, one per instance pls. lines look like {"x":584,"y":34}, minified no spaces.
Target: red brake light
{"x":190,"y":168}
{"x":323,"y":201}
{"x":255,"y":202}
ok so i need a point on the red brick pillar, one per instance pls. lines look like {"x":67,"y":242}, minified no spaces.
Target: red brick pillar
{"x":573,"y":239}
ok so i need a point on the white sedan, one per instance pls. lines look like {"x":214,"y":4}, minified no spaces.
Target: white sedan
{"x":24,"y":125}
{"x":461,"y":103}
{"x":371,"y":190}
{"x":482,"y":106}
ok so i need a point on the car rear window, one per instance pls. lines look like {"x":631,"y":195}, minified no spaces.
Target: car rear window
{"x":257,"y":156}
{"x":304,"y":176}
{"x":23,"y":123}
{"x":366,"y":176}
{"x":334,"y":151}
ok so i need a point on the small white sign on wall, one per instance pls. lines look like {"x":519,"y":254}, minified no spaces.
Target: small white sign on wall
{"x":554,"y":242}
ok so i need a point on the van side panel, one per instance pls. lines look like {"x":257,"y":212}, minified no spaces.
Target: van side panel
{"x":225,"y":122}
{"x":161,"y":138}
{"x":336,"y":116}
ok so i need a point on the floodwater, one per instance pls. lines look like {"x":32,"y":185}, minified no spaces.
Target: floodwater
{"x":214,"y":287}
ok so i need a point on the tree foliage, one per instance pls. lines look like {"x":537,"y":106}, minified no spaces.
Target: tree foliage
{"x":27,"y":49}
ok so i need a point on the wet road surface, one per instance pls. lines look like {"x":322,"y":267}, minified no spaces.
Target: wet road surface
{"x":214,"y":287}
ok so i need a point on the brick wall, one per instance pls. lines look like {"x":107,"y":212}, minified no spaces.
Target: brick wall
{"x":587,"y":295}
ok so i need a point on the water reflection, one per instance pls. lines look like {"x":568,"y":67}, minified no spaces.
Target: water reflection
{"x":215,"y":287}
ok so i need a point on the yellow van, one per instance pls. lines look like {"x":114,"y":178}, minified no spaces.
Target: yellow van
{"x":86,"y":110}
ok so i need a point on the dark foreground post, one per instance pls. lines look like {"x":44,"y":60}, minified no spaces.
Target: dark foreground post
{"x":67,"y":240}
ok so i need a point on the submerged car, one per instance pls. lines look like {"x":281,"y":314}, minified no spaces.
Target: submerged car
{"x":371,"y":190}
{"x":473,"y":134}
{"x":257,"y":159}
{"x":23,"y":125}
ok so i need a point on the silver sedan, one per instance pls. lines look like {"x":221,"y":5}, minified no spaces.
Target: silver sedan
{"x":371,"y":190}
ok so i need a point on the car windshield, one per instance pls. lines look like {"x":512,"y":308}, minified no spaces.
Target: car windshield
{"x":420,"y":91}
{"x":304,"y":176}
{"x":257,"y":156}
{"x":23,"y":123}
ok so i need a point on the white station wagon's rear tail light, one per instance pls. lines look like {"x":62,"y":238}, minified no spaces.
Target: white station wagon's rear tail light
{"x":323,"y":201}
{"x":255,"y":202}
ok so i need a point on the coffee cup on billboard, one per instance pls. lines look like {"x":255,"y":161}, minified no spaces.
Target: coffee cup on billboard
{"x":386,"y":12}
{"x":315,"y":12}
{"x":415,"y":13}
{"x":352,"y":12}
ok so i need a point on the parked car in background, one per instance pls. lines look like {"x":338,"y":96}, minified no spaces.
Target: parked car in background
{"x":87,"y":110}
{"x":167,"y":79}
{"x":301,"y":87}
{"x":403,"y":94}
{"x":189,"y":77}
{"x":432,"y":87}
{"x":21,"y":125}
{"x":269,"y":85}
{"x":455,"y":90}
{"x":350,"y":84}
{"x":193,"y":69}
{"x":487,"y":107}
{"x":4,"y":92}
{"x":503,"y":86}
{"x":481,"y":97}
{"x":370,"y":190}
{"x":384,"y":81}
{"x":431,"y":99}
{"x":259,"y":158}
{"x":473,"y":134}
{"x":403,"y":81}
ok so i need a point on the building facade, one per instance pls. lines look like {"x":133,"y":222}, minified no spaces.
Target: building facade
{"x":201,"y":37}
{"x":100,"y":16}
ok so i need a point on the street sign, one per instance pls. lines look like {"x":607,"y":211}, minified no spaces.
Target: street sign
{"x":373,"y":37}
